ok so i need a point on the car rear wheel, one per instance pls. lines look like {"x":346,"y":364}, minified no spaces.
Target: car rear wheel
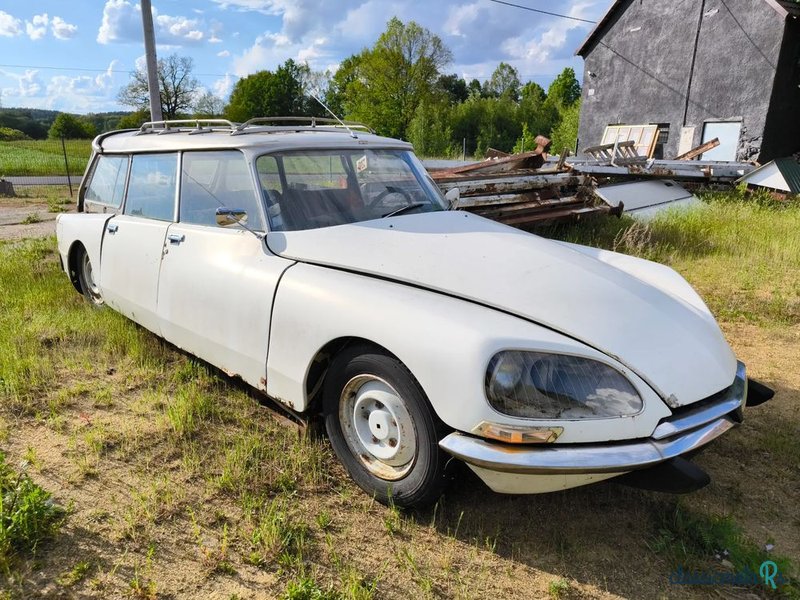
{"x":382,"y":428}
{"x":86,"y":278}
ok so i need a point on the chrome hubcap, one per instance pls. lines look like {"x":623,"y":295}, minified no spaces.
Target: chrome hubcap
{"x":377,"y":427}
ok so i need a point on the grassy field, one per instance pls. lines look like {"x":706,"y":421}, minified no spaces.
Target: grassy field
{"x":43,"y":157}
{"x":173,"y":481}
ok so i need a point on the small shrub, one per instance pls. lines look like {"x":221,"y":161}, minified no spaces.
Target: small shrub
{"x":28,"y":516}
{"x":306,"y":588}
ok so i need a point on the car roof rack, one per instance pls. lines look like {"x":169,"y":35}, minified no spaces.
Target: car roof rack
{"x":190,"y":126}
{"x":302,"y":124}
{"x":255,"y":125}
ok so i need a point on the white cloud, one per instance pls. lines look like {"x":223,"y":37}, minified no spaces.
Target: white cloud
{"x":63,"y":30}
{"x":177,"y":29}
{"x":106,"y":80}
{"x":36,"y":28}
{"x":9,"y":26}
{"x":224,"y":53}
{"x":29,"y":84}
{"x":460,"y":16}
{"x":122,"y":22}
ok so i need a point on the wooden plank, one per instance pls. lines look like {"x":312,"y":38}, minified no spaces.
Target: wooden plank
{"x":694,"y":152}
{"x":505,"y":185}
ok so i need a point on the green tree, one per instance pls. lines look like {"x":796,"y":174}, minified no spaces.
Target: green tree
{"x":534,"y":110}
{"x":454,"y":87}
{"x":134,"y":120}
{"x":72,"y":127}
{"x":504,"y":83}
{"x":430,"y":131}
{"x":565,"y":135}
{"x":268,"y":94}
{"x":7,"y":134}
{"x":475,"y":89}
{"x":177,"y":87}
{"x":565,"y":89}
{"x":389,"y":81}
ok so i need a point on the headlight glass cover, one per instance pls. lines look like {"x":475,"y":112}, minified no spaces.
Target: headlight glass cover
{"x":539,"y":385}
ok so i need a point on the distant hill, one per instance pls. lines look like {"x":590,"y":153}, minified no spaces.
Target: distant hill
{"x":35,"y":122}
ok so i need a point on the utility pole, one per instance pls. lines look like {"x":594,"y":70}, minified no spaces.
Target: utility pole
{"x":152,"y":63}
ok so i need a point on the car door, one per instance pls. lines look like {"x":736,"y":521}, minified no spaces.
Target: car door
{"x":133,"y":242}
{"x":217,"y":283}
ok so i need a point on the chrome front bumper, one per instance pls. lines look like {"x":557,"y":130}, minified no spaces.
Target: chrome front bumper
{"x":687,"y":430}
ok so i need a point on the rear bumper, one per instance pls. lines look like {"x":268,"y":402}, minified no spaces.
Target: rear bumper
{"x":688,"y":430}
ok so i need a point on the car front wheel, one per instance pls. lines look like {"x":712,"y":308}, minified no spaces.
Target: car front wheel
{"x":382,"y":428}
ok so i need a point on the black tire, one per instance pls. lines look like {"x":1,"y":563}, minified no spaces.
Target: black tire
{"x":83,"y":271}
{"x":358,"y":375}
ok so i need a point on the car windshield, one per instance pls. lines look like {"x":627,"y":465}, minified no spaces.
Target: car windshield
{"x":311,"y":189}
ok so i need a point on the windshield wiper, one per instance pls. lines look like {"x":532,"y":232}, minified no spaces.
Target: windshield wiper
{"x":403,"y":209}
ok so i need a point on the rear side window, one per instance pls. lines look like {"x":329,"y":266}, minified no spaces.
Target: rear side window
{"x":215,"y":179}
{"x":107,"y":185}
{"x":151,"y":190}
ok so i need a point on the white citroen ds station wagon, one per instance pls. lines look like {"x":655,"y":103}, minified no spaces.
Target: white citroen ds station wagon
{"x":320,"y":263}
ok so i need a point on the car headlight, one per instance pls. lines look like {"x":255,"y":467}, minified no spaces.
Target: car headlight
{"x":538,"y":385}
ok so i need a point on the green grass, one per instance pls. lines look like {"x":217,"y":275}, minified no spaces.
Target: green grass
{"x":28,"y":515}
{"x":43,"y":157}
{"x":742,"y":254}
{"x":46,"y":329}
{"x":697,"y":541}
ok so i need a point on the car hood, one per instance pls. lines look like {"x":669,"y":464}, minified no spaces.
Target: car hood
{"x":654,"y":324}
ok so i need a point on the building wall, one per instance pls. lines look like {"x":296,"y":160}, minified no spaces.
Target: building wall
{"x":782,"y":134}
{"x":639,"y":69}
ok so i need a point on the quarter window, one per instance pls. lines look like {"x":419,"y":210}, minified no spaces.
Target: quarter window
{"x":107,"y":185}
{"x":151,"y":191}
{"x":211,"y":180}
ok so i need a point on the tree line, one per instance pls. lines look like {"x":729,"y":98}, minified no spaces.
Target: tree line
{"x":399,"y":86}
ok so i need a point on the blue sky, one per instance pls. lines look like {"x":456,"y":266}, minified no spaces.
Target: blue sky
{"x":75,"y":56}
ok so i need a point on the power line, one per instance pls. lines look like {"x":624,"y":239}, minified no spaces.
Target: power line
{"x":544,"y":12}
{"x":127,"y":72}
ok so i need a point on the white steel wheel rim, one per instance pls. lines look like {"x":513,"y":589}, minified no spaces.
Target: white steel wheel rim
{"x":378,"y":427}
{"x":88,"y":277}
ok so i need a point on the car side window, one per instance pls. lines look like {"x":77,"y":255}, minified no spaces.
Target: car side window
{"x":151,"y":189}
{"x":107,"y":186}
{"x":215,"y":179}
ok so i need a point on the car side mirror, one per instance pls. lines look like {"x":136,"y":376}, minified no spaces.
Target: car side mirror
{"x":231,"y":216}
{"x":452,"y":196}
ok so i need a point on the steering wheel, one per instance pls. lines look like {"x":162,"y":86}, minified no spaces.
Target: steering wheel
{"x":390,"y":189}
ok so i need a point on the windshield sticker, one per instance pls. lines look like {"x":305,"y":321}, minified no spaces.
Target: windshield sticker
{"x":361,"y":164}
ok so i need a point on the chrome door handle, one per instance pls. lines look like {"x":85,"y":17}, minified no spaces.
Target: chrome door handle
{"x":112,"y":228}
{"x":176,"y":238}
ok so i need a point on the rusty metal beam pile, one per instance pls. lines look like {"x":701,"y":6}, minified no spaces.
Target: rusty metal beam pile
{"x":520,"y":190}
{"x":525,"y":190}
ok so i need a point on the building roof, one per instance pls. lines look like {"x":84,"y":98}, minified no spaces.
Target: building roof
{"x":783,"y":7}
{"x":789,"y":169}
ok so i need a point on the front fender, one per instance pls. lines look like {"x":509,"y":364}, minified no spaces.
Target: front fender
{"x":84,"y":228}
{"x":446,"y":342}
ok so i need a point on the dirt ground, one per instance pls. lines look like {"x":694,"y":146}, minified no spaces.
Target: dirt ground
{"x":130,"y":518}
{"x":17,"y":216}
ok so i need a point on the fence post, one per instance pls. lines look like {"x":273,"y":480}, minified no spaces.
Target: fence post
{"x":66,"y":165}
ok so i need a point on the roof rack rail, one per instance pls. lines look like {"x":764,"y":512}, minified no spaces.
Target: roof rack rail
{"x":304,"y":124}
{"x":190,"y":125}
